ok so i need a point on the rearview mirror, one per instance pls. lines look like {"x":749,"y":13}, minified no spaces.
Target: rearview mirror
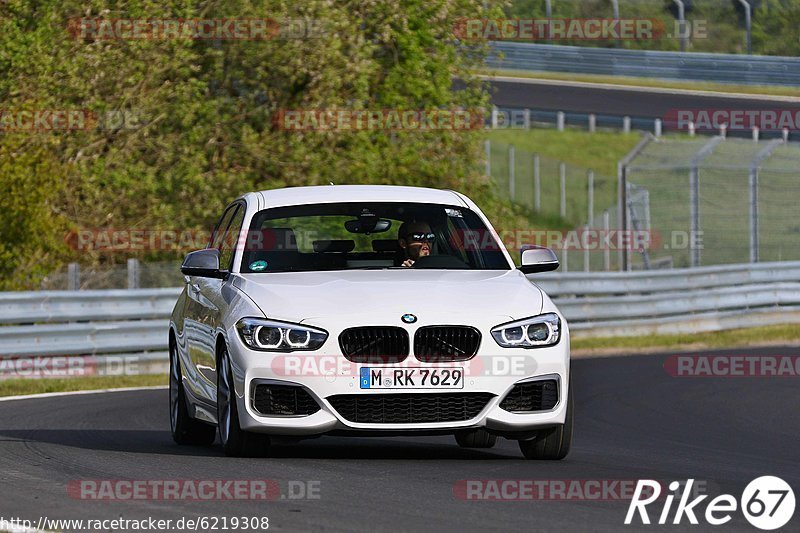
{"x":203,"y":263}
{"x":537,"y":259}
{"x":368,"y":223}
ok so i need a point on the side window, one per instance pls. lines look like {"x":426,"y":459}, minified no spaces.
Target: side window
{"x":222,"y":225}
{"x":230,"y":238}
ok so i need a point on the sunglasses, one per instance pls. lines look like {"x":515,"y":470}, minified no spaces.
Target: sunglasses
{"x":420,"y":237}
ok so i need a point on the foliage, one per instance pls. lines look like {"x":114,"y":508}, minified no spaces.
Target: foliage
{"x":200,"y":128}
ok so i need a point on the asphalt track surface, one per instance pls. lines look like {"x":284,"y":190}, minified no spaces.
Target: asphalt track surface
{"x":633,"y":420}
{"x":617,"y":101}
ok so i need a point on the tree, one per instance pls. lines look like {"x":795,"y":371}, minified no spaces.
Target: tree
{"x":200,"y":114}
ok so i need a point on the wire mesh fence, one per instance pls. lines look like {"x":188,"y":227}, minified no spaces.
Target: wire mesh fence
{"x":567,"y":196}
{"x":688,"y":202}
{"x":719,"y":201}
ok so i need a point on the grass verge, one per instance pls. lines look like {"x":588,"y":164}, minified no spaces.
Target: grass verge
{"x":734,"y":338}
{"x":14,"y":387}
{"x":599,"y":151}
{"x":762,"y":90}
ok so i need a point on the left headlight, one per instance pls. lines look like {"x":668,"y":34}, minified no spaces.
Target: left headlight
{"x":533,"y":332}
{"x":273,"y":336}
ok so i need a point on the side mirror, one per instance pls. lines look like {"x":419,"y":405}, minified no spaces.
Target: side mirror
{"x":203,"y":263}
{"x":537,"y":259}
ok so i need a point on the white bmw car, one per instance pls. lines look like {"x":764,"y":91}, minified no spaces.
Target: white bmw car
{"x":366,"y":310}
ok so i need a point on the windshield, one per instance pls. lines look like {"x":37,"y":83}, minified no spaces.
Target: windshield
{"x":343,"y":236}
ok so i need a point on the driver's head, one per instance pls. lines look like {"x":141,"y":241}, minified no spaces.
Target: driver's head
{"x":416,"y":239}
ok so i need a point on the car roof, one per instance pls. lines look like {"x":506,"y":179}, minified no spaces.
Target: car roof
{"x":356,"y":193}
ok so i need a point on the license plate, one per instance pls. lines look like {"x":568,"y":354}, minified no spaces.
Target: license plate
{"x":411,"y":378}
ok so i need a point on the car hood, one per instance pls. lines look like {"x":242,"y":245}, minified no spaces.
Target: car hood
{"x":378,"y":296}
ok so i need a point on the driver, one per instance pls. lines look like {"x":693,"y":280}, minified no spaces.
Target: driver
{"x":416,"y":240}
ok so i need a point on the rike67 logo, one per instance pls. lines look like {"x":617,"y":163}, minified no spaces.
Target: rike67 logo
{"x":767,"y":503}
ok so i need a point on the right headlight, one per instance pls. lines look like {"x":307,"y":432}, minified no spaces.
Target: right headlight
{"x":273,"y":336}
{"x":533,"y":332}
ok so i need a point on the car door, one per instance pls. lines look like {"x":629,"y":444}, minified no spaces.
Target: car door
{"x":213,"y":301}
{"x":198,"y":322}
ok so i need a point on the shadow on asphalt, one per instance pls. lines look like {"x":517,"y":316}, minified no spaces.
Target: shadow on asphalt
{"x":159,"y":442}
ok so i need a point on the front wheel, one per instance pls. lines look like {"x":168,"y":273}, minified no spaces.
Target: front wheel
{"x":185,"y":429}
{"x":554,"y":443}
{"x":236,"y":442}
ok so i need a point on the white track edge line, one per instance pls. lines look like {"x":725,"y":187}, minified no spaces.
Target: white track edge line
{"x":77,"y":392}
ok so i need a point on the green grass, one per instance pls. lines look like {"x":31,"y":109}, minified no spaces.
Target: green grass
{"x":734,"y":338}
{"x":15,"y":387}
{"x":768,"y":90}
{"x":599,"y":151}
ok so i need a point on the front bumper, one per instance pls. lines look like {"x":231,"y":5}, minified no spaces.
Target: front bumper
{"x":327,"y":373}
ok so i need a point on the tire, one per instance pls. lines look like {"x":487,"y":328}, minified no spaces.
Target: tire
{"x":552,"y":444}
{"x":185,"y":429}
{"x":477,"y":438}
{"x":236,"y":442}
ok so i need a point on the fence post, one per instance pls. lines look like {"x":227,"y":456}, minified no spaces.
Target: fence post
{"x":754,"y":214}
{"x":590,"y":197}
{"x":494,"y":118}
{"x":622,"y":222}
{"x":755,"y":133}
{"x":723,"y":130}
{"x":560,"y":120}
{"x":585,"y":244}
{"x":657,"y":127}
{"x":681,"y":23}
{"x":487,"y":146}
{"x":562,"y":172}
{"x":537,"y":185}
{"x":753,"y":185}
{"x":564,"y":262}
{"x":694,"y":214}
{"x":134,"y":281}
{"x":73,"y":277}
{"x":748,"y":26}
{"x":526,"y":118}
{"x":512,"y":186}
{"x":607,"y":250}
{"x":786,"y":135}
{"x":691,"y":129}
{"x":626,"y":124}
{"x":592,"y":122}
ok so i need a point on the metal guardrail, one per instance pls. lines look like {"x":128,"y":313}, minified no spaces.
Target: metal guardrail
{"x":560,"y":287}
{"x":66,"y":306}
{"x":687,"y":300}
{"x":720,"y":68}
{"x":132,"y":324}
